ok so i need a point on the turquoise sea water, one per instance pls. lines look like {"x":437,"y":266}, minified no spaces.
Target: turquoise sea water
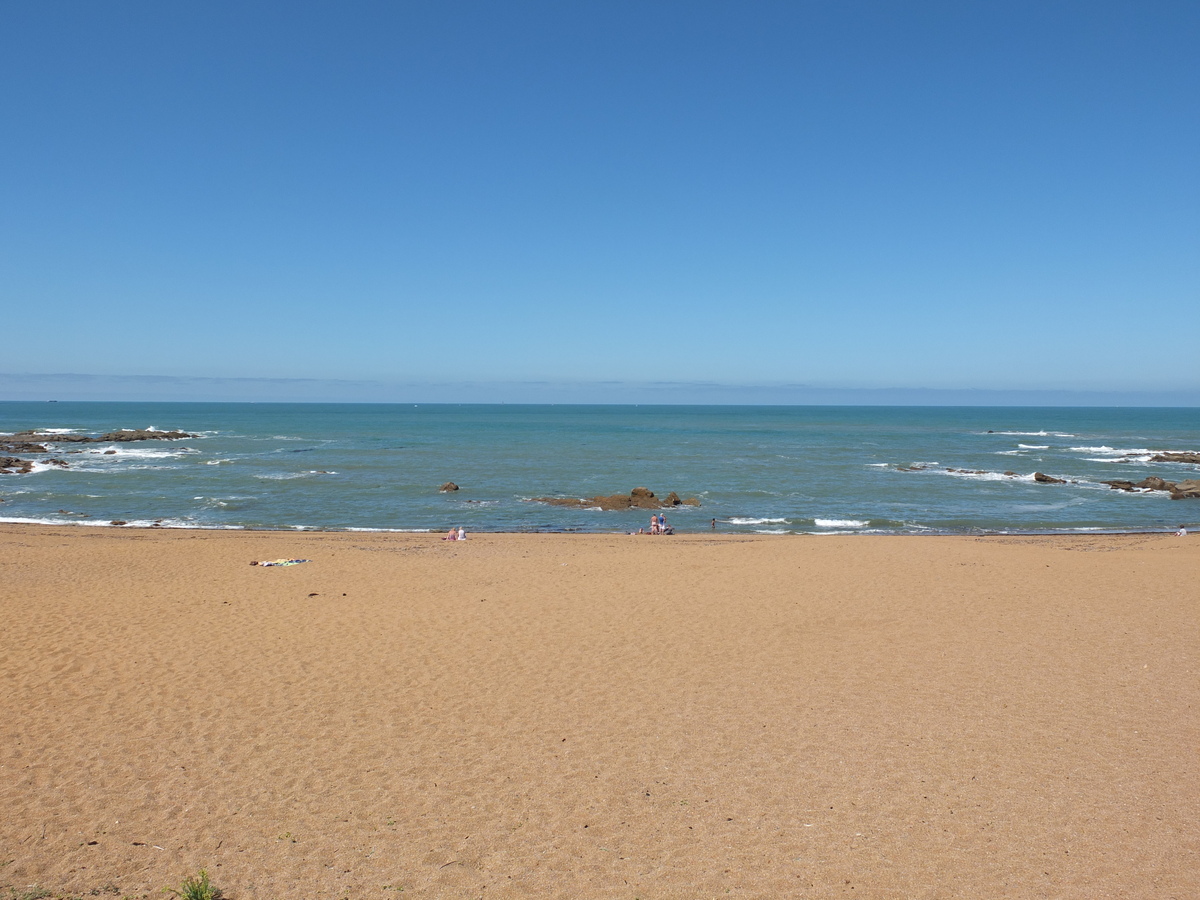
{"x":755,"y":469}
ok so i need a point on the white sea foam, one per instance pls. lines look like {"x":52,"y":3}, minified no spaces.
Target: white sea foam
{"x":1034,"y":446}
{"x":738,"y":520}
{"x":288,"y":476}
{"x":1009,"y":453}
{"x":878,"y":465}
{"x":770,"y":531}
{"x":217,"y":462}
{"x":107,"y":523}
{"x":987,"y":476}
{"x":57,"y":430}
{"x":841,"y":523}
{"x":394,"y":530}
{"x":44,"y":467}
{"x":121,"y":452}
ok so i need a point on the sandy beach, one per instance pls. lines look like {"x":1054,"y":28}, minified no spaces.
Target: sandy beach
{"x":599,"y":716}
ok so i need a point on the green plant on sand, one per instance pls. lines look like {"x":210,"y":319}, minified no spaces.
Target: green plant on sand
{"x":197,"y":887}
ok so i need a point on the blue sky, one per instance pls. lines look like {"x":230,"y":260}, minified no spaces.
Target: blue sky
{"x":957,"y":195}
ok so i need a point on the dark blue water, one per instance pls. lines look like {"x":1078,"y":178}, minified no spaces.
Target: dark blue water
{"x":755,"y":469}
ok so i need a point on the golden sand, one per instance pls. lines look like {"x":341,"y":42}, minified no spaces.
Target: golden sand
{"x":594,"y":716}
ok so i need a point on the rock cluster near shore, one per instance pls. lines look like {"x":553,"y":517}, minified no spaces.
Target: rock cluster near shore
{"x":1172,"y":457}
{"x":638,"y":498}
{"x":36,"y":441}
{"x":1183,"y":490}
{"x":120,"y":437}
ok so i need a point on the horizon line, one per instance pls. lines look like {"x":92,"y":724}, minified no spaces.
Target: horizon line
{"x":79,"y":387}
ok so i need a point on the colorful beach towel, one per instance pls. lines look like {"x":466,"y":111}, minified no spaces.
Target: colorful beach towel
{"x":280,"y":562}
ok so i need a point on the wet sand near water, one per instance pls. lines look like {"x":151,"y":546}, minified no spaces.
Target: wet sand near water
{"x":599,"y":716}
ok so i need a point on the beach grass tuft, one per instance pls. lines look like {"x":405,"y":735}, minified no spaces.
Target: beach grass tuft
{"x":197,"y":887}
{"x":33,"y":893}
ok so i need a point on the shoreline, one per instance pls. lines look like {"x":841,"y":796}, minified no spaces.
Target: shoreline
{"x":579,"y":715}
{"x":833,"y":532}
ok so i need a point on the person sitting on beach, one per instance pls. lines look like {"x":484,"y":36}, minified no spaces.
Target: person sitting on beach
{"x":451,"y":535}
{"x":462,"y":533}
{"x":1182,"y":532}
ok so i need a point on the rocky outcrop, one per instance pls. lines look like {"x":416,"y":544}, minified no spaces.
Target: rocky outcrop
{"x":1168,"y":456}
{"x":1183,"y":490}
{"x":1187,"y":490}
{"x":37,"y":442}
{"x":10,"y":465}
{"x":1155,"y":483}
{"x":448,"y":487}
{"x":1047,"y":479}
{"x":119,"y":437}
{"x":638,"y":498}
{"x":22,"y":447}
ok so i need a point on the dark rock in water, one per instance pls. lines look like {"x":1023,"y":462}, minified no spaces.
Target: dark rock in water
{"x":1187,"y":490}
{"x":22,"y":447}
{"x":1011,"y":474}
{"x":118,"y":522}
{"x":1170,"y":457}
{"x":673,"y":499}
{"x":638,"y":498}
{"x":1154,"y":483}
{"x":1047,"y":479}
{"x":448,"y":486}
{"x":10,"y":465}
{"x":911,"y":468}
{"x":1184,"y":490}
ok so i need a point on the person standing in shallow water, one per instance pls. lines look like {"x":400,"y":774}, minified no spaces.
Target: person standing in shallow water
{"x":714,"y":524}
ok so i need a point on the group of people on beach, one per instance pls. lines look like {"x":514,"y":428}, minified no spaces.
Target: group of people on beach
{"x":455,"y":534}
{"x":658,"y":525}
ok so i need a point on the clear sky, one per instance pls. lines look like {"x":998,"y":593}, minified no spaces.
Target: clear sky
{"x":1000,"y":196}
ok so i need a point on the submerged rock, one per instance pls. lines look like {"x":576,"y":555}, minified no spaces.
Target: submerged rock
{"x":1047,"y":479}
{"x":447,"y":487}
{"x":638,"y":498}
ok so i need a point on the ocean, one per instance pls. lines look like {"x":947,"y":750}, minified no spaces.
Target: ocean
{"x":755,"y":469}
